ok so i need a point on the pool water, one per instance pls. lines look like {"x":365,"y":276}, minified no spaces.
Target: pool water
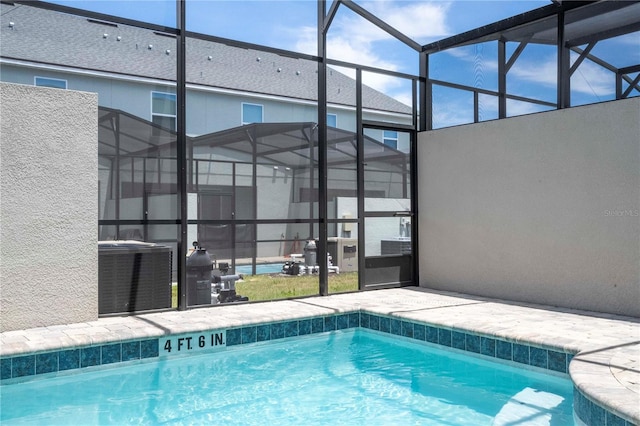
{"x":262,"y":268}
{"x":345,"y":377}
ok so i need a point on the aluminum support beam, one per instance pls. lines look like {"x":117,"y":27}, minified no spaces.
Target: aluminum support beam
{"x":181,"y":117}
{"x":476,"y":107}
{"x":516,"y":55}
{"x":360,"y":191}
{"x":563,"y":77}
{"x":502,"y":79}
{"x":581,"y":58}
{"x":330,"y":15}
{"x":322,"y":148}
{"x":633,"y":85}
{"x":604,"y":35}
{"x":414,"y":104}
{"x":382,"y":25}
{"x":426,"y":96}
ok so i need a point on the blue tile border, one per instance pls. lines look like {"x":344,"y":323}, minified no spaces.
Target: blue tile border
{"x":431,"y":335}
{"x":76,"y":358}
{"x":458,"y":340}
{"x":518,"y":352}
{"x":5,"y":368}
{"x":130,"y":351}
{"x":249,"y":335}
{"x":46,"y":363}
{"x":149,"y":348}
{"x":68,"y":359}
{"x":263,"y":333}
{"x":488,"y":347}
{"x":521,"y":353}
{"x":444,"y":337}
{"x":592,"y":414}
{"x":23,"y":366}
{"x":304,"y":327}
{"x":111,"y":353}
{"x":90,"y":356}
{"x":504,"y":350}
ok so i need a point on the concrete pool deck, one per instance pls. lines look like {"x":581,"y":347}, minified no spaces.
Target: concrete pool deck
{"x":606,"y":367}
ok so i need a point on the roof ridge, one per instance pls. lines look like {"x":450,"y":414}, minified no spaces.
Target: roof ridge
{"x":55,"y":38}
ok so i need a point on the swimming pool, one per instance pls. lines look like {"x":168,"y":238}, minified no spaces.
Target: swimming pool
{"x":261,"y":268}
{"x":352,"y":376}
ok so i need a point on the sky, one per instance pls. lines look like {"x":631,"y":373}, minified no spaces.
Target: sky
{"x":291,"y":25}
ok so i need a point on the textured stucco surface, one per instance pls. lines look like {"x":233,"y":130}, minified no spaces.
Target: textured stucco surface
{"x":49,"y":209}
{"x":543,"y":208}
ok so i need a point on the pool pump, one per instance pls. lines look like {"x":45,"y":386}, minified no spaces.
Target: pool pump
{"x":307,"y":263}
{"x":224,"y":285}
{"x":209,"y":283}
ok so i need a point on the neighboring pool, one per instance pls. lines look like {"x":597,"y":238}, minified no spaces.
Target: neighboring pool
{"x":261,"y":268}
{"x":353,"y":376}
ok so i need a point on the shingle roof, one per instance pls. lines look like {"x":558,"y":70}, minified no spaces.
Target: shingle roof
{"x":55,"y":38}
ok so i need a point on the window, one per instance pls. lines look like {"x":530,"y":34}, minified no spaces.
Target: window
{"x":50,"y":82}
{"x":390,"y":138}
{"x":163,"y":109}
{"x":251,"y":113}
{"x":332,"y":120}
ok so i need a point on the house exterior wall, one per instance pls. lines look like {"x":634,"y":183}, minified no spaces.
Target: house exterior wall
{"x":208,"y":109}
{"x":541,"y":208}
{"x":49,"y":210}
{"x":130,"y":95}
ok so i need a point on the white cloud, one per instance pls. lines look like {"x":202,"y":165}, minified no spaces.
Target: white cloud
{"x":305,"y":40}
{"x":515,"y":108}
{"x":450,"y":115}
{"x":352,"y":39}
{"x":475,"y":55}
{"x":543,"y":72}
{"x":589,"y":78}
{"x":404,"y":97}
{"x":380,"y":81}
{"x":632,"y":39}
{"x":414,"y":19}
{"x":453,"y":113}
{"x":487,"y":106}
{"x":592,"y":79}
{"x":348,"y":50}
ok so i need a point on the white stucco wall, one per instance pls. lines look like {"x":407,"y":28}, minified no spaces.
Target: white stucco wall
{"x":542,"y":208}
{"x":49,"y":210}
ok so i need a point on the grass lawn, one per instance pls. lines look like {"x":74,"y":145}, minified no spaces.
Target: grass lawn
{"x":276,"y":286}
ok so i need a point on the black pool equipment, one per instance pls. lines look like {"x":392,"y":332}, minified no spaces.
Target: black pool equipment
{"x":133,"y":276}
{"x":208,"y":283}
{"x":199,"y":271}
{"x":291,"y":267}
{"x":307,"y":263}
{"x":225,"y":285}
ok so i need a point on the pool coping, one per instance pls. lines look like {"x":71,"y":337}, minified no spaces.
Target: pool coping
{"x":601,"y":350}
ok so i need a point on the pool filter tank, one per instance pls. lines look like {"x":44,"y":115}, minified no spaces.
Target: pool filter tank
{"x":310,"y":256}
{"x":199,"y":267}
